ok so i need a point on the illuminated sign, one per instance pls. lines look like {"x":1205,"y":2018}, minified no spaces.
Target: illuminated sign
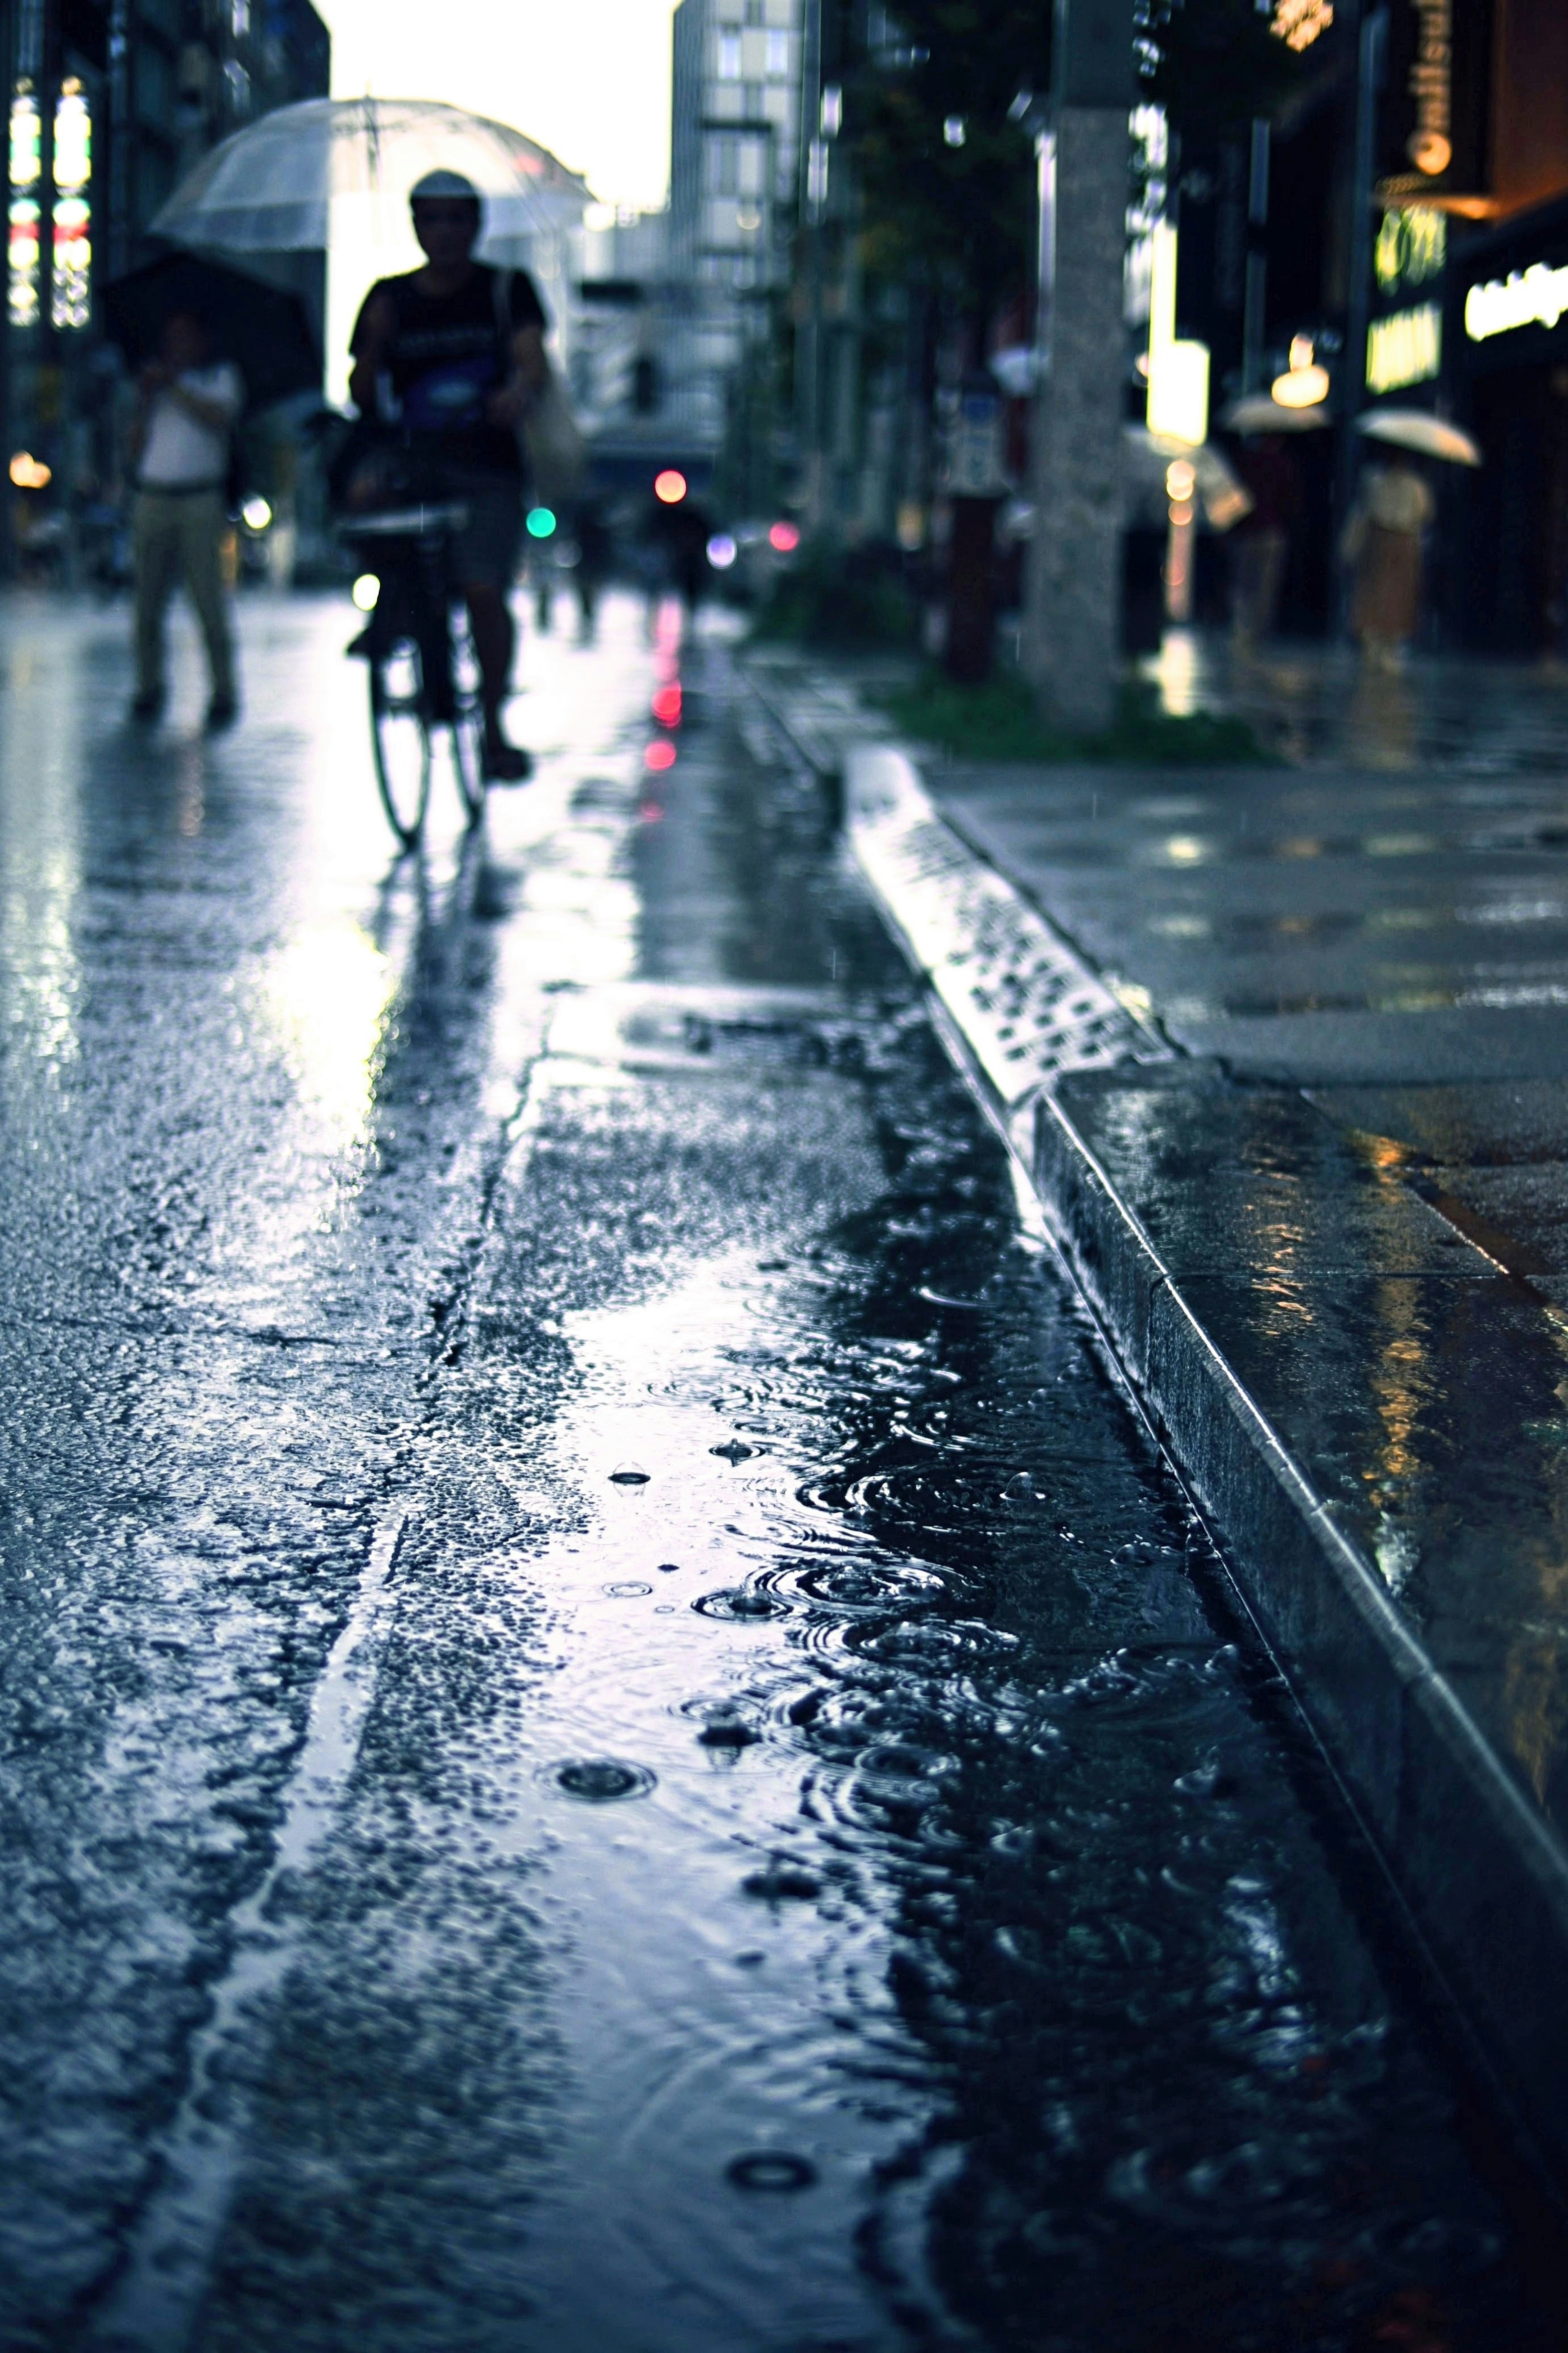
{"x":1412,"y":248}
{"x":70,"y":291}
{"x":1430,"y":146}
{"x":22,"y":223}
{"x":1536,"y":297}
{"x":1299,"y":23}
{"x":1405,"y":348}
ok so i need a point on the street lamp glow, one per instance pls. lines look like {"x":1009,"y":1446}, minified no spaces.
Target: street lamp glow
{"x":1304,"y":383}
{"x":670,"y":487}
{"x":366,"y":591}
{"x":30,"y":473}
{"x":256,"y":514}
{"x":722,"y":551}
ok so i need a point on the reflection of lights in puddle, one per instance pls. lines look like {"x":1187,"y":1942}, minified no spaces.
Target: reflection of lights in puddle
{"x":327,"y":993}
{"x":43,"y":959}
{"x":658,"y":757}
{"x":667,"y":705}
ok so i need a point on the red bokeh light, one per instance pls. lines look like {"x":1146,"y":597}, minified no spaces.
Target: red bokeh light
{"x":659,"y":756}
{"x":784,"y":537}
{"x":667,"y":705}
{"x":670,"y":487}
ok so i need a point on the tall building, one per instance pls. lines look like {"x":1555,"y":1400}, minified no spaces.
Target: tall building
{"x":741,"y":70}
{"x":735,"y":139}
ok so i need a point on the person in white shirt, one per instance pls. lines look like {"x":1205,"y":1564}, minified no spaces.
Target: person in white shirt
{"x":188,"y":407}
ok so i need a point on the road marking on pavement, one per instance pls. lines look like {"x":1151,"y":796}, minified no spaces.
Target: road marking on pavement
{"x":155,"y":2300}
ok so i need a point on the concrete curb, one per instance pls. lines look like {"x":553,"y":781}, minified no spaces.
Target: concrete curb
{"x":1483,"y":1875}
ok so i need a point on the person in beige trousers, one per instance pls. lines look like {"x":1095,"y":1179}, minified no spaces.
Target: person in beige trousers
{"x":187,"y":409}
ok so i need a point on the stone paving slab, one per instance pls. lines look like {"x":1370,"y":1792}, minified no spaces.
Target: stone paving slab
{"x":1362,"y":1394}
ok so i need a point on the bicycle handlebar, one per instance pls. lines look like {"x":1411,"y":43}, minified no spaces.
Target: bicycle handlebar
{"x":406,"y":522}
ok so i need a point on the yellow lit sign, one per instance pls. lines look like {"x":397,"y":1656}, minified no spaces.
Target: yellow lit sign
{"x":1405,"y":348}
{"x":1178,"y":372}
{"x":1412,"y":247}
{"x":1179,"y":392}
{"x":1299,"y":23}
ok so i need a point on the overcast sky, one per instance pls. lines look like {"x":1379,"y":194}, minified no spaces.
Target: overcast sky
{"x":588,"y":79}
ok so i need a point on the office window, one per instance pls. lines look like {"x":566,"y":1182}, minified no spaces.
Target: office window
{"x":729,"y":57}
{"x":778,"y":57}
{"x":241,"y":18}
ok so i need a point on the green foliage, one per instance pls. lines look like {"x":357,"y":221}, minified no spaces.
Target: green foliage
{"x":1213,"y":65}
{"x":963,"y":218}
{"x":831,"y":602}
{"x":999,"y":721}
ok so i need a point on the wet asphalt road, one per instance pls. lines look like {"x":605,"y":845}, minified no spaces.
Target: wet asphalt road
{"x":610,"y":1735}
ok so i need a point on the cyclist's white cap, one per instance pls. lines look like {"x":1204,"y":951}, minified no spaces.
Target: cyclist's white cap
{"x":442,"y":183}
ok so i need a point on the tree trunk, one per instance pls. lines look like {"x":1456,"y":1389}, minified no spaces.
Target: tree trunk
{"x":1072,"y":609}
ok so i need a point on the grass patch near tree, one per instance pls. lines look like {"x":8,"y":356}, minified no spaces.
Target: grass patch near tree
{"x":1000,"y":721}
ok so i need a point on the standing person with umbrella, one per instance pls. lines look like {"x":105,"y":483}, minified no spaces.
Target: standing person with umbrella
{"x":1394,"y":508}
{"x":187,"y":408}
{"x":455,"y":352}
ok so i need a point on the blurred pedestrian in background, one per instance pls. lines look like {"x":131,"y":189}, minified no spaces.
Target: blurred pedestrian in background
{"x":188,"y":405}
{"x":595,"y":548}
{"x":1261,"y":542}
{"x":1382,"y":538}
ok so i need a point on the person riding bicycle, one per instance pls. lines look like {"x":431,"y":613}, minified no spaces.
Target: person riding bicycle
{"x":454,"y":354}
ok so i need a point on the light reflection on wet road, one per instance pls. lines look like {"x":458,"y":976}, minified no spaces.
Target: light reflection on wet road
{"x":611,"y":1736}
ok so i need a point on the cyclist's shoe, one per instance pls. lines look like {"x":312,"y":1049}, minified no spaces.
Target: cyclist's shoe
{"x":148,"y":706}
{"x":363,"y":647}
{"x":222,"y":713}
{"x":507,"y":764}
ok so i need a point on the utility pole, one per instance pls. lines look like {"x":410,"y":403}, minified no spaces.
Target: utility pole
{"x":1073,"y":597}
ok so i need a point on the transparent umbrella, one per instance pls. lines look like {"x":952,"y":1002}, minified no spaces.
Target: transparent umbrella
{"x":295,"y":180}
{"x":1416,"y":429}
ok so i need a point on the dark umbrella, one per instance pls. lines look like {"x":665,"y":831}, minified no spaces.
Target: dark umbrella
{"x":265,"y":331}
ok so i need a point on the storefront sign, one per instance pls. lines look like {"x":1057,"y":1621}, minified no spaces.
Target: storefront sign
{"x":1404,"y":348}
{"x":1430,"y":146}
{"x":1536,"y":297}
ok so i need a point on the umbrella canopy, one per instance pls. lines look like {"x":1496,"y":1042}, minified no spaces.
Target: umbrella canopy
{"x":1259,"y":412}
{"x":264,"y":330}
{"x":273,"y":186}
{"x":1428,"y":436}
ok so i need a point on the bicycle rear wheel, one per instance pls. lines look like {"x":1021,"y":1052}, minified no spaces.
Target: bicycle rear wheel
{"x":400,"y":731}
{"x":468,"y":717}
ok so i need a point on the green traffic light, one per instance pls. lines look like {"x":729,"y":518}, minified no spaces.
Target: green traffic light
{"x":541,"y":522}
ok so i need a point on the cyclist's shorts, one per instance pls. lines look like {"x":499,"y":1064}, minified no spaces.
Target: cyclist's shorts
{"x":486,"y":551}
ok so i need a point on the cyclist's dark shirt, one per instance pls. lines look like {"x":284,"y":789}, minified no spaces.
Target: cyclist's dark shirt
{"x":449,"y":357}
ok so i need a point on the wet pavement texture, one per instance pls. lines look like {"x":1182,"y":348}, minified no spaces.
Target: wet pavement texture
{"x":612,"y":1734}
{"x":1358,"y":1178}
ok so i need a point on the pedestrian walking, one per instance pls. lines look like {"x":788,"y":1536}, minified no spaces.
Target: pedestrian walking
{"x":1383,"y":539}
{"x":1261,"y":542}
{"x":188,"y":407}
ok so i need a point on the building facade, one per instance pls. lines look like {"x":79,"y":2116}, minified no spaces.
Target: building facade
{"x":110,"y":101}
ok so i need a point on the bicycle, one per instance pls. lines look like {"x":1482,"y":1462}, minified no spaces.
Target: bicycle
{"x":424,"y":670}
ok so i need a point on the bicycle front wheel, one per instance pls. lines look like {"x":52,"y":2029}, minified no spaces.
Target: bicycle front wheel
{"x":400,"y":731}
{"x":468,"y":717}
